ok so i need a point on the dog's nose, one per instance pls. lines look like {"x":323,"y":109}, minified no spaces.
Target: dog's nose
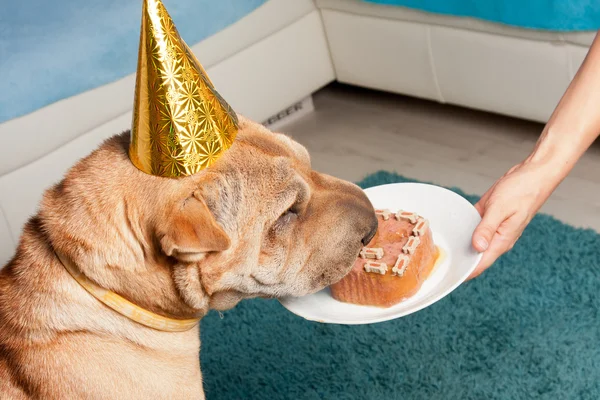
{"x":372,"y":232}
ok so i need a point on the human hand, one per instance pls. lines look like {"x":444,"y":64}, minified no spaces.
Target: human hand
{"x":507,"y":207}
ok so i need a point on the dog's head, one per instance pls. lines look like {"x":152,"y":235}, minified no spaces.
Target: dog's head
{"x":258,"y":222}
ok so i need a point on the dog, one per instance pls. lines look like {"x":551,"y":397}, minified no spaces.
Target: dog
{"x":259,"y":222}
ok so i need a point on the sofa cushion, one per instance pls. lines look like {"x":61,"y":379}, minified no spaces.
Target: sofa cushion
{"x":360,"y":7}
{"x":552,"y":15}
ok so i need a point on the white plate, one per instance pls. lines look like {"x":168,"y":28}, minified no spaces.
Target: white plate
{"x":452,"y":220}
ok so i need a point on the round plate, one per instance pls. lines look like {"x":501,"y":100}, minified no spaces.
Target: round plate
{"x":452,"y":220}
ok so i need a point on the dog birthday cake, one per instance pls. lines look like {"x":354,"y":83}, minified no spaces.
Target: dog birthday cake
{"x":393,"y":265}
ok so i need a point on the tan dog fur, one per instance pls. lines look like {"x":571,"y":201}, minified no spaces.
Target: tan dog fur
{"x":177,"y":247}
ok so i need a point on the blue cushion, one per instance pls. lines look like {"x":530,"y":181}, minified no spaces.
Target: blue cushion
{"x":54,"y":49}
{"x":556,"y":15}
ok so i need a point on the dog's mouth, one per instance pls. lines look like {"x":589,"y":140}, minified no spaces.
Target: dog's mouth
{"x":348,"y":267}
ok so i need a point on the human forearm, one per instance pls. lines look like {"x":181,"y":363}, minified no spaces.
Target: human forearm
{"x":575,"y":123}
{"x":508,"y":206}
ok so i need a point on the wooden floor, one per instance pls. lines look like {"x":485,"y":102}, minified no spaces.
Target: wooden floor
{"x":354,"y":132}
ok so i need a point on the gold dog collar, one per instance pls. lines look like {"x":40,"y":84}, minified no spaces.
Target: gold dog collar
{"x":125,"y":307}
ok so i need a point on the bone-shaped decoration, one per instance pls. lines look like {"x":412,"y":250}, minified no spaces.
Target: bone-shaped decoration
{"x":412,"y":217}
{"x":371,"y":252}
{"x":411,"y":246}
{"x":376,"y":267}
{"x":421,"y":227}
{"x":385,"y":213}
{"x":400,"y":265}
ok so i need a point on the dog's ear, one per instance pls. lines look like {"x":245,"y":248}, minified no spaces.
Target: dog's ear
{"x":190,"y":231}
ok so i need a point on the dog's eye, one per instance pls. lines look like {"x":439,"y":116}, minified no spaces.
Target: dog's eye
{"x":287,"y":217}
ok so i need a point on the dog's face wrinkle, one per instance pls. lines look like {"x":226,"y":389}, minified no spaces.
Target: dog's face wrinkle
{"x":226,"y":200}
{"x":260,"y":282}
{"x":274,"y":261}
{"x":130,"y":230}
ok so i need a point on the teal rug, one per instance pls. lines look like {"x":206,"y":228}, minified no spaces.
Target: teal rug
{"x":528,"y":328}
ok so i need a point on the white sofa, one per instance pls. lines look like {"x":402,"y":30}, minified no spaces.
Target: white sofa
{"x":284,"y":51}
{"x":487,"y":66}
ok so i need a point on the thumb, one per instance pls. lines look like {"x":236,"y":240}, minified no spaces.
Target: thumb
{"x":485,"y":231}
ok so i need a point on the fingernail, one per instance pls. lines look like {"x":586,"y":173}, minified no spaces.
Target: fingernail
{"x":481,"y":243}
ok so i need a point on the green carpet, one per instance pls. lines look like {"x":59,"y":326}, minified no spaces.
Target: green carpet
{"x":528,"y":328}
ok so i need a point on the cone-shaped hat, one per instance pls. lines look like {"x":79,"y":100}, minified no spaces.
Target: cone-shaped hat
{"x":181,"y":125}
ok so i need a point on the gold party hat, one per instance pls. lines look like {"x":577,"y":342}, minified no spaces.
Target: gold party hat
{"x":181,"y":125}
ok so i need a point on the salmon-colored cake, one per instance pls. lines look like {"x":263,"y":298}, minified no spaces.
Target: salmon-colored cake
{"x":394,"y":265}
